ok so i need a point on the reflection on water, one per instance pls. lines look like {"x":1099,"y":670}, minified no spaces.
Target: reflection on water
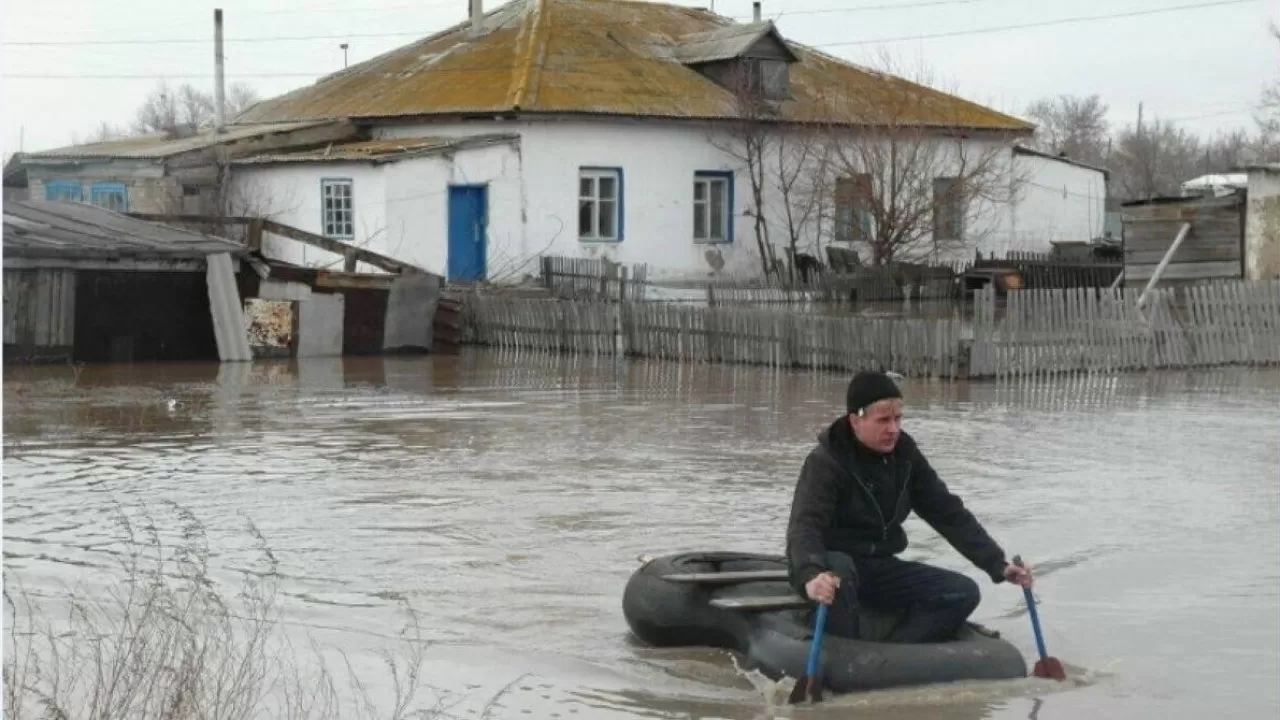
{"x":506,"y":497}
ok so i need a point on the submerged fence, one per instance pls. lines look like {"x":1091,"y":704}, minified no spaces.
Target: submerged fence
{"x":1036,"y":331}
{"x":695,"y":334}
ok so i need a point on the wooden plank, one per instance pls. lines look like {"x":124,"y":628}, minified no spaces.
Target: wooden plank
{"x":1186,"y":253}
{"x":377,"y":260}
{"x":717,"y":578}
{"x":1185,"y":271}
{"x":771,"y":602}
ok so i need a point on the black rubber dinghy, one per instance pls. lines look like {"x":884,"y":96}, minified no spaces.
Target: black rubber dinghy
{"x":774,"y":638}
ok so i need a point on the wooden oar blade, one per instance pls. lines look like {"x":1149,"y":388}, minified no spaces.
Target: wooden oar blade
{"x":1050,"y":667}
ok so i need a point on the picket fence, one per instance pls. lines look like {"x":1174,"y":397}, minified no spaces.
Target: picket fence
{"x":1035,"y":332}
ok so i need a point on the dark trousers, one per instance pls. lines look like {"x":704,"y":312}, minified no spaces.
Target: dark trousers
{"x":937,"y":602}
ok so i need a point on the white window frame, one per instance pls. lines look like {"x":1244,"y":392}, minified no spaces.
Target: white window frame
{"x":594,"y":198}
{"x":332,"y":222}
{"x":710,"y":183}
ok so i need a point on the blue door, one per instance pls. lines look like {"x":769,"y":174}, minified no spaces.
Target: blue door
{"x":468,"y":211}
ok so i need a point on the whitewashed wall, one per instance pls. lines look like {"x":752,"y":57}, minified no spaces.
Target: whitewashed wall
{"x":401,"y":208}
{"x":1262,"y":226}
{"x":1058,"y":202}
{"x":658,"y":160}
{"x":291,"y":194}
{"x":417,"y":208}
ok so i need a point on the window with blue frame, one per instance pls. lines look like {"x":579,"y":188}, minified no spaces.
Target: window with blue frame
{"x":338,"y":208}
{"x":712,"y":207}
{"x":63,"y":190}
{"x":600,"y":204}
{"x":112,"y":196}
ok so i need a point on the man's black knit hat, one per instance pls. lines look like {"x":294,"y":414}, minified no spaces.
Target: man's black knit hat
{"x":868,"y":387}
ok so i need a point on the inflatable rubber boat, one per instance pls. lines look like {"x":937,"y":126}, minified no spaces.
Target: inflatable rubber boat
{"x":743,"y":602}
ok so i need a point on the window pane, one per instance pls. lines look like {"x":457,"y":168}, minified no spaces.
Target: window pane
{"x":717,"y":210}
{"x":586,"y":210}
{"x":607,"y":225}
{"x":699,"y":190}
{"x":700,"y":221}
{"x":587,"y":187}
{"x":608,"y":188}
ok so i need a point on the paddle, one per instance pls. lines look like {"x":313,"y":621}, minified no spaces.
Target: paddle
{"x":1046,"y":667}
{"x":810,"y":684}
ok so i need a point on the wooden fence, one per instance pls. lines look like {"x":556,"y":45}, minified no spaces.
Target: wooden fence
{"x":926,"y":348}
{"x":1036,"y":332}
{"x":593,"y":278}
{"x":1104,"y":330}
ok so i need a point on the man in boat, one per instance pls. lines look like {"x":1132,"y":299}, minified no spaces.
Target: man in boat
{"x":856,"y":488}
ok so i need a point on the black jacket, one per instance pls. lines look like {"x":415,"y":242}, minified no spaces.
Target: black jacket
{"x":853,"y":500}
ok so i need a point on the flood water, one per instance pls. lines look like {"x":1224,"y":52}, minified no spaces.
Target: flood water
{"x":507,"y":497}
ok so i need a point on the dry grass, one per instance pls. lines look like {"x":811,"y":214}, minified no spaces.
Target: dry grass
{"x":162,"y":642}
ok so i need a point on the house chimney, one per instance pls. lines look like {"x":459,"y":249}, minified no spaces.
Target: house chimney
{"x":219,"y":91}
{"x":477,"y":18}
{"x":755,"y":11}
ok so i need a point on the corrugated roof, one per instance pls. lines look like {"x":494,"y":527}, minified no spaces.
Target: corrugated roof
{"x":156,"y":146}
{"x":41,"y":228}
{"x":613,"y":57}
{"x":722,"y":43}
{"x":377,"y":151}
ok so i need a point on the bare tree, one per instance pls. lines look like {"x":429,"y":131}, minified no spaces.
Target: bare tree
{"x":746,"y":138}
{"x":1152,"y":160}
{"x":1268,"y":113}
{"x":186,"y":109}
{"x":911,"y":184}
{"x":796,"y":169}
{"x":1073,"y":126}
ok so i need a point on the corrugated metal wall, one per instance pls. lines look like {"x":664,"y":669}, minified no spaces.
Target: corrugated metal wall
{"x":39,"y":308}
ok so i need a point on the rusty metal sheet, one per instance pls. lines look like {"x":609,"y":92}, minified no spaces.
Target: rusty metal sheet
{"x":603,"y":58}
{"x":272,"y":327}
{"x":155,"y":146}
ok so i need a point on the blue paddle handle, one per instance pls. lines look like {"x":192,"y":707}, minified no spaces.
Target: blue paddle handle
{"x":815,"y":650}
{"x":1035,"y":622}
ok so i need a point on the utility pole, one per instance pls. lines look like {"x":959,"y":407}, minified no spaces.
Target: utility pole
{"x":344,"y":55}
{"x":219,"y":89}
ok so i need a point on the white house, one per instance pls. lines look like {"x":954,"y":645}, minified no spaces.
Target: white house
{"x":607,"y":128}
{"x":1061,"y":200}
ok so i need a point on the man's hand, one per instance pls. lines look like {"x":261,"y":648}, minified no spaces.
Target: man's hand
{"x":823,"y":588}
{"x":1018,"y":575}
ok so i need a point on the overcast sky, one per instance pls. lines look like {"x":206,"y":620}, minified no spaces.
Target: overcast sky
{"x":1203,"y":66}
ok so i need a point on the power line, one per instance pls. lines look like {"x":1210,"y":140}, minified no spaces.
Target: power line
{"x":1044,"y":23}
{"x":867,"y":8}
{"x":955,"y":33}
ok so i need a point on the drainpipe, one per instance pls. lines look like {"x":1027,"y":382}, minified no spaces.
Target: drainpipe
{"x":219,"y":91}
{"x":477,"y":18}
{"x":755,"y":11}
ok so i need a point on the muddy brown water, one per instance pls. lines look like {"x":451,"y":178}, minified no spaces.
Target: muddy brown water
{"x":506,"y":497}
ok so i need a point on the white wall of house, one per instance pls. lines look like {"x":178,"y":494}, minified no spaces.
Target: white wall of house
{"x":291,"y":194}
{"x":1057,"y":202}
{"x":417,"y":208}
{"x":1262,"y":226}
{"x":658,"y":162}
{"x":400,"y":208}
